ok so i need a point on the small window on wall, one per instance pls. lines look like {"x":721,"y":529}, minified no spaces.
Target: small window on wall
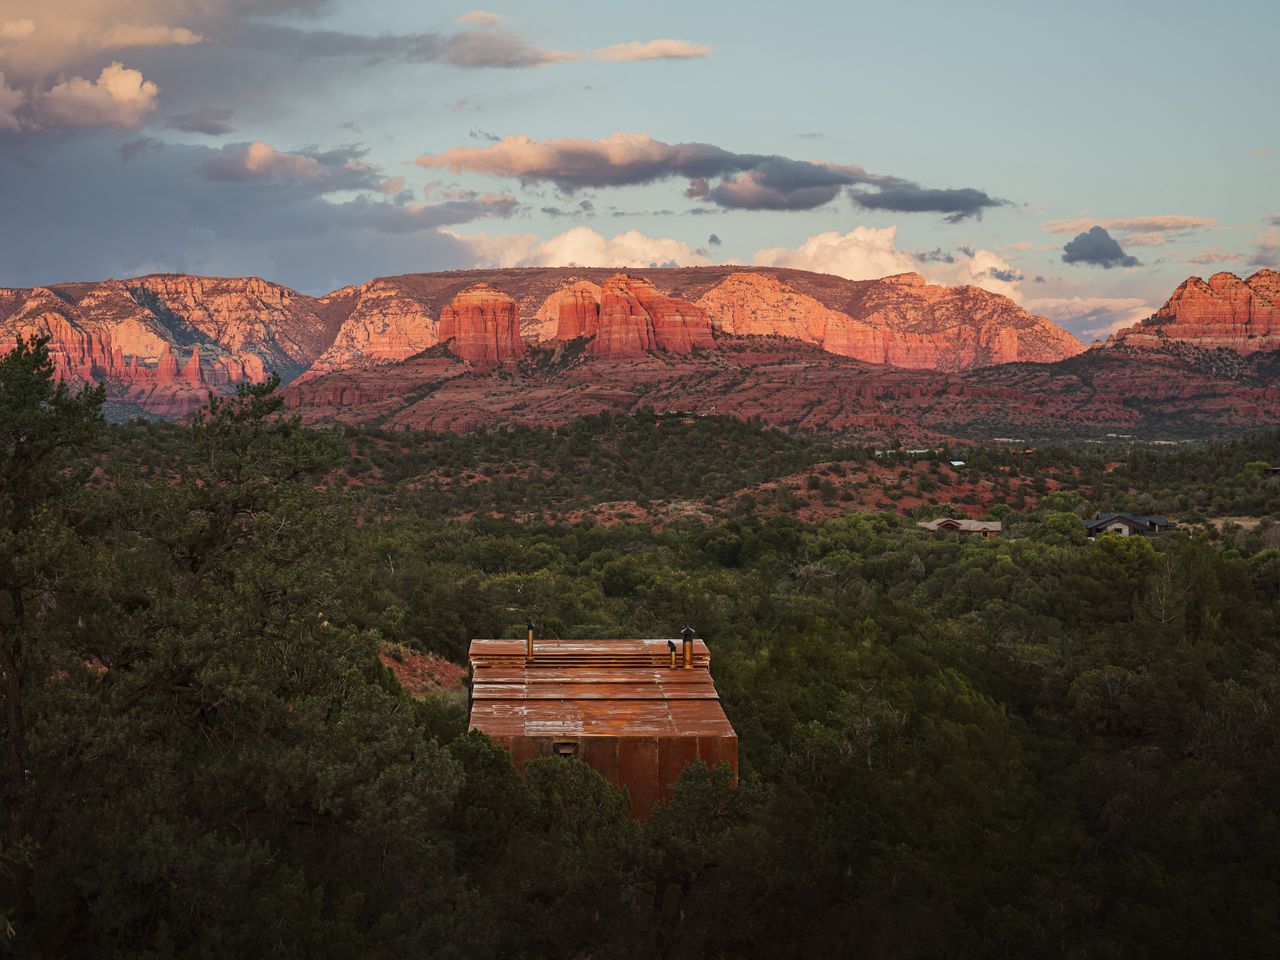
{"x":565,"y":748}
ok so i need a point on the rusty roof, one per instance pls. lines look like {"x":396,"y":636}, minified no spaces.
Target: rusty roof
{"x":593,"y":688}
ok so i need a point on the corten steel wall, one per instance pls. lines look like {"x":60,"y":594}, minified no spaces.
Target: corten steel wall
{"x":615,"y":704}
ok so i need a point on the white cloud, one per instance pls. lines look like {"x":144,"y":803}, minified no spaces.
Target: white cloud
{"x":865,"y":253}
{"x":10,"y":100}
{"x":869,"y":253}
{"x":664,"y":49}
{"x":483,"y":17}
{"x":982,"y":268}
{"x":580,"y":247}
{"x":11,"y":30}
{"x":1095,"y":317}
{"x":147,"y":35}
{"x":120,"y":97}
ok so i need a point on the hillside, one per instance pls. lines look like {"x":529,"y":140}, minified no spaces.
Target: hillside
{"x":162,"y":342}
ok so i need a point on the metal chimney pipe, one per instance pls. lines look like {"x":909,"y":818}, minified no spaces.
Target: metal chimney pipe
{"x":687,"y":634}
{"x":528,"y":649}
{"x":671,"y":646}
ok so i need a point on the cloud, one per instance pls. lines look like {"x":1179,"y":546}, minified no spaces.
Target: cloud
{"x":907,"y":197}
{"x":120,"y":97}
{"x":1092,"y":317}
{"x":159,"y":213}
{"x":1274,"y":219}
{"x":147,"y":35}
{"x":1214,"y":255}
{"x":580,"y":247}
{"x":61,"y":38}
{"x":465,"y":49}
{"x":11,"y":30}
{"x":978,"y":268}
{"x":865,"y":253}
{"x":482,"y":17}
{"x":868,"y":253}
{"x":10,"y":101}
{"x":936,"y":255}
{"x":472,"y":49}
{"x":1097,"y":248}
{"x":743,"y":181}
{"x":1137,"y":231}
{"x":777,"y":183}
{"x":260,"y":161}
{"x":132,"y":149}
{"x":392,"y":186}
{"x":623,"y":159}
{"x":665,"y":49}
{"x":713,"y":240}
{"x":1266,"y":250}
{"x":212,"y":121}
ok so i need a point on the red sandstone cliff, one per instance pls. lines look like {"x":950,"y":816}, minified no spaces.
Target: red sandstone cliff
{"x":384,"y":323}
{"x":1222,"y":312}
{"x":636,"y":319}
{"x":240,"y":329}
{"x":162,"y":342}
{"x":900,"y":320}
{"x":484,"y":326}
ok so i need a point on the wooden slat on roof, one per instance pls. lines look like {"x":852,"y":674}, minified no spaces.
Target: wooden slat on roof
{"x":593,"y":688}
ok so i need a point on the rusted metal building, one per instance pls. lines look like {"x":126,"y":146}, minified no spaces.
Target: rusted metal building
{"x":638,"y":711}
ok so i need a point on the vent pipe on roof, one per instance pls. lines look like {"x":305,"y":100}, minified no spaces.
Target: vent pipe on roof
{"x":687,"y":634}
{"x":528,"y":649}
{"x":671,"y":646}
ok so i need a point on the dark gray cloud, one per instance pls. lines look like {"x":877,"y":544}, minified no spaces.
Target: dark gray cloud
{"x":779,"y":183}
{"x":1274,"y":219}
{"x":1097,"y":248}
{"x":1006,"y":276}
{"x":484,"y":135}
{"x":714,"y":240}
{"x":904,"y":196}
{"x":132,"y":149}
{"x":1039,"y":279}
{"x":212,"y":121}
{"x":465,"y":49}
{"x":936,"y":255}
{"x":742,"y":181}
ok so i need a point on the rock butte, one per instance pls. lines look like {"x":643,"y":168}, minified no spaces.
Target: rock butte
{"x":484,"y":327}
{"x":1222,"y":312}
{"x":636,"y":319}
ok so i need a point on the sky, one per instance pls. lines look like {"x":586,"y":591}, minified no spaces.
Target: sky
{"x":1082,"y":159}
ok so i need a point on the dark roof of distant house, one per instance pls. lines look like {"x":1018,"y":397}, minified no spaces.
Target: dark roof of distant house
{"x":1132,"y":519}
{"x":954,"y":523}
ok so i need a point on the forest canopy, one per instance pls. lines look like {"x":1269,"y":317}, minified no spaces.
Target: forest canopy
{"x":1040,"y":745}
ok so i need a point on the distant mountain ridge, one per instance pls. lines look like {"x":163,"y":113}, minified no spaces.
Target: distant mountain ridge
{"x":161,"y":342}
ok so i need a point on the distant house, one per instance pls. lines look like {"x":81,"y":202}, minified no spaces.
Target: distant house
{"x":987,"y":529}
{"x":1127,"y":525}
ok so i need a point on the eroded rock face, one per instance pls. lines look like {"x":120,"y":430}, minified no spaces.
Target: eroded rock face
{"x":636,"y":319}
{"x":484,"y":325}
{"x":576,"y":309}
{"x":901,"y":320}
{"x":386,"y":324}
{"x":160,"y":343}
{"x":1222,"y":312}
